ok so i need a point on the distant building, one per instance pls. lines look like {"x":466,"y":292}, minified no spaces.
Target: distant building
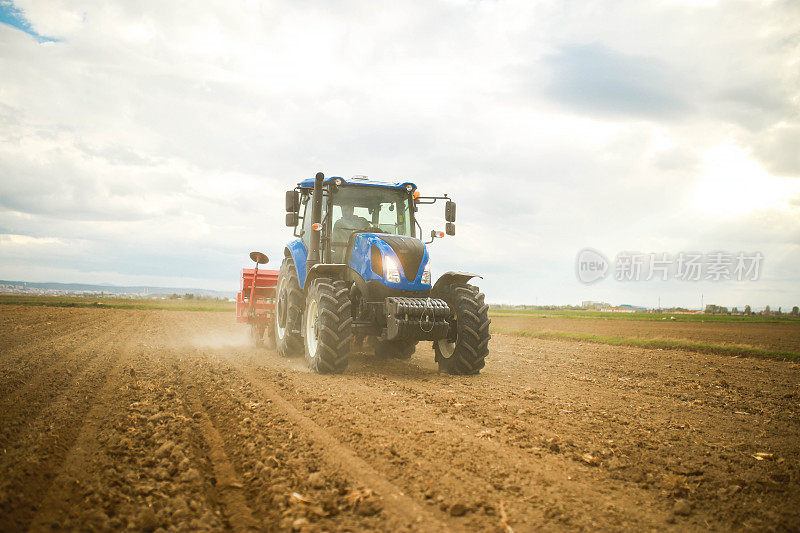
{"x":625,"y":308}
{"x":635,"y":308}
{"x":588,"y":304}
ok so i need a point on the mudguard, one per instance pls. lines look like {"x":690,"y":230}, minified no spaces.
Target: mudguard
{"x":448,"y":278}
{"x":330,"y":270}
{"x":297,"y":251}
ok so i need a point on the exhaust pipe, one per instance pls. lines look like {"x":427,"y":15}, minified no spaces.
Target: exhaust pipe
{"x":316,"y":216}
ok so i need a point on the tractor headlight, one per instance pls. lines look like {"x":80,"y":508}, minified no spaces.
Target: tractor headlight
{"x":392,"y":271}
{"x":426,"y":274}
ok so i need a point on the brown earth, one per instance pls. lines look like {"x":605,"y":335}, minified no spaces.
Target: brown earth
{"x":769,"y":336}
{"x":147,"y":420}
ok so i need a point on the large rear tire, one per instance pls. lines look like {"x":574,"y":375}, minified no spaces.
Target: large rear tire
{"x":327,"y":320}
{"x":466,"y":350}
{"x":288,"y":311}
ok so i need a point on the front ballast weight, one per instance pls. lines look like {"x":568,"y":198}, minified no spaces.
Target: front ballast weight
{"x":358,"y":274}
{"x":416,"y":319}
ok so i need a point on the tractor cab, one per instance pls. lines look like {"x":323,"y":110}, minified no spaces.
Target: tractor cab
{"x":356,"y":208}
{"x":349,"y":207}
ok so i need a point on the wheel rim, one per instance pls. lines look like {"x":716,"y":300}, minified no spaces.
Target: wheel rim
{"x":447,"y":348}
{"x":280,"y":323}
{"x":311,"y":328}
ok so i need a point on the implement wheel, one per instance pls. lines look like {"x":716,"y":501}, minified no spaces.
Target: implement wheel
{"x":464,"y":352}
{"x":327,"y":322}
{"x":257,"y":334}
{"x":288,"y":311}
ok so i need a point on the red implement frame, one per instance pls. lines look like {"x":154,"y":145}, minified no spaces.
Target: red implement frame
{"x":255,"y":302}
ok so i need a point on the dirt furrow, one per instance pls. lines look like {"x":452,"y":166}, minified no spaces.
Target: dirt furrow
{"x":33,"y":457}
{"x":435,"y":447}
{"x":24,"y":361}
{"x":589,"y":449}
{"x":346,"y":461}
{"x":147,"y":461}
{"x":18,"y":326}
{"x":276,"y":467}
{"x":228,"y":483}
{"x":343,"y":460}
{"x":47,"y":332}
{"x":63,"y":494}
{"x":22,"y":404}
{"x":333,"y":485}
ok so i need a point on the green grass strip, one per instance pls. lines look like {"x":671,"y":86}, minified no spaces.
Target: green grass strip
{"x":138,"y":306}
{"x":664,"y":344}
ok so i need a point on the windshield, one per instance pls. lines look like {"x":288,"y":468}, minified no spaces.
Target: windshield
{"x":375,"y":209}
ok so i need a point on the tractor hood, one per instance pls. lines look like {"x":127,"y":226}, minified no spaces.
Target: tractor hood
{"x":374,"y":255}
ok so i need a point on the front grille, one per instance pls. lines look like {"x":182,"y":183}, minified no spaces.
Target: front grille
{"x":410,"y":252}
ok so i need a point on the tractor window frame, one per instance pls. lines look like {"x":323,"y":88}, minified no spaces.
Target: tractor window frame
{"x":299,"y":230}
{"x":374,"y":220}
{"x":327,"y":236}
{"x":305,"y":225}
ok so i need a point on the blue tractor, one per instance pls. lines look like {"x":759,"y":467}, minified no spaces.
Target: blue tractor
{"x":358,"y":271}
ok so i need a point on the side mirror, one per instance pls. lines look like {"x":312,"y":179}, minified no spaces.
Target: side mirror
{"x":450,"y":212}
{"x":259,"y":258}
{"x":450,"y":228}
{"x":291,"y":219}
{"x":292,"y":202}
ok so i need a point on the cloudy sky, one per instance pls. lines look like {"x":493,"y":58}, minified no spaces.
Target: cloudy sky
{"x":151,"y":142}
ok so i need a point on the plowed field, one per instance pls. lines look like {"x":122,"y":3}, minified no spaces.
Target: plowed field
{"x":114,"y":419}
{"x":768,"y":336}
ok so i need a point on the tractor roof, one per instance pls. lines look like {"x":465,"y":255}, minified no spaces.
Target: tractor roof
{"x":359,"y":180}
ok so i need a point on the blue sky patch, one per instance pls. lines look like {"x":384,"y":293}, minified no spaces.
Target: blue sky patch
{"x":596,"y":79}
{"x":13,"y":16}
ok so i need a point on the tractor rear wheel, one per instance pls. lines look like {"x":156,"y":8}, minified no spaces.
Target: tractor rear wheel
{"x":288,"y":311}
{"x":394,"y":349}
{"x":327,"y":326}
{"x":464,"y":352}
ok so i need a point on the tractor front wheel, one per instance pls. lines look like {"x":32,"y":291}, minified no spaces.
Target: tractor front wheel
{"x":468,"y":345}
{"x":327,"y":326}
{"x":288,"y":311}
